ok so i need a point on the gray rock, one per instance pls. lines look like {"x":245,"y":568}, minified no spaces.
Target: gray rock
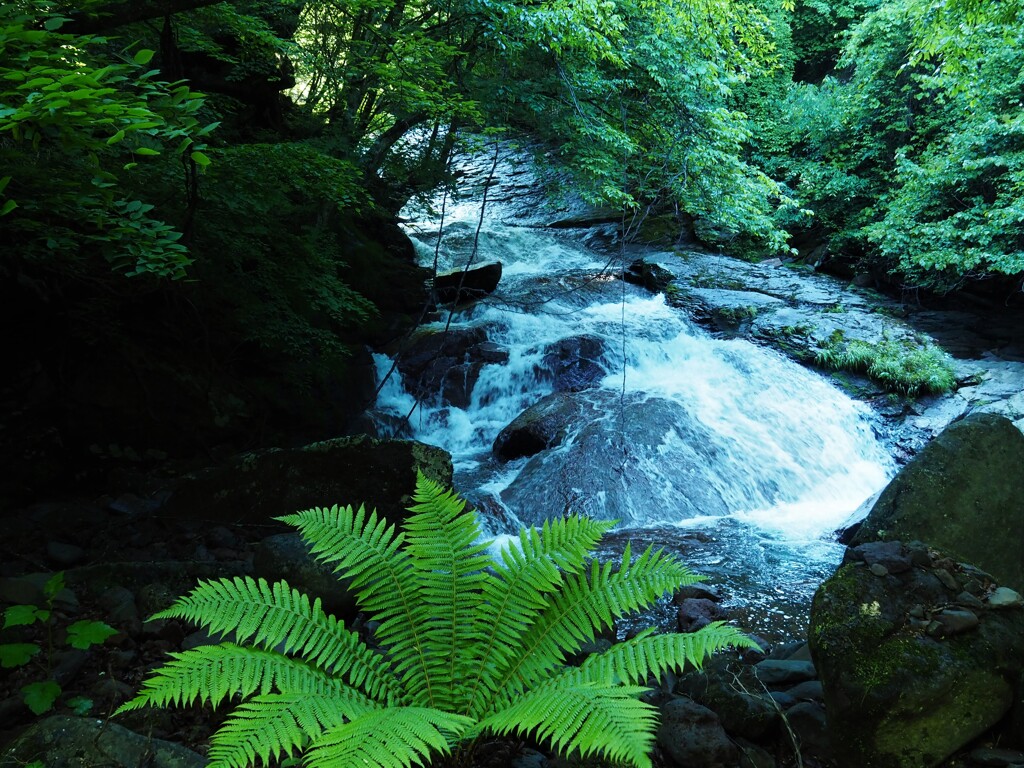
{"x":961,"y":494}
{"x":784,"y":673}
{"x":948,"y":580}
{"x":996,"y":758}
{"x":1004,"y":597}
{"x":64,"y":555}
{"x":119,"y":605}
{"x":73,"y":742}
{"x":543,"y":425}
{"x":888,"y":554}
{"x":753,"y":756}
{"x":697,"y":612}
{"x":954,"y":622}
{"x":576,"y":363}
{"x":691,"y":735}
{"x":810,"y":690}
{"x":462,"y":286}
{"x":897,"y":698}
{"x":732,"y":695}
{"x":878,"y":569}
{"x":286,"y":556}
{"x":808,"y":723}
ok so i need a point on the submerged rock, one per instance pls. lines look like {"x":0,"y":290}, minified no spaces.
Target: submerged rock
{"x":961,"y":494}
{"x":575,"y":362}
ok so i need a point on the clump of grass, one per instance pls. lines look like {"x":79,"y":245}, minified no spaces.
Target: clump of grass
{"x":905,"y":366}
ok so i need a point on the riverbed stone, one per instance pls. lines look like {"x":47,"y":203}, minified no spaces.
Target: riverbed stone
{"x":961,"y":494}
{"x":691,"y":735}
{"x":783,"y":673}
{"x":1004,"y":597}
{"x":463,"y":286}
{"x":73,"y":742}
{"x":575,"y":363}
{"x":898,"y":697}
{"x":543,"y":425}
{"x":286,"y":556}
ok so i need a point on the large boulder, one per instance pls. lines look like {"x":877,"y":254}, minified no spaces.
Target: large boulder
{"x":463,"y":286}
{"x":73,"y":742}
{"x":445,"y":365}
{"x":915,"y":663}
{"x":575,"y":362}
{"x":626,"y":461}
{"x":351,"y":470}
{"x":543,"y":425}
{"x":963,"y":494}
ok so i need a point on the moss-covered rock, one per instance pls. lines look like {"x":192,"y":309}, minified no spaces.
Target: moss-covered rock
{"x":351,"y":470}
{"x":961,"y":494}
{"x":75,"y":742}
{"x":900,"y":694}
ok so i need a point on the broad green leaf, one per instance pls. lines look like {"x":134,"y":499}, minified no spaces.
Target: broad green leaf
{"x":54,"y":585}
{"x":80,"y":705}
{"x":144,"y":56}
{"x":9,"y":206}
{"x":146,"y":151}
{"x":39,"y":697}
{"x":23,"y":615}
{"x":17,"y":654}
{"x":116,"y":137}
{"x":200,"y":159}
{"x":83,"y":634}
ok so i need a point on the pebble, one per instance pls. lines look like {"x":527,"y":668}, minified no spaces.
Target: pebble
{"x":968,"y":600}
{"x":948,"y":579}
{"x":784,"y":672}
{"x":917,"y":612}
{"x":996,"y":758}
{"x":955,"y":622}
{"x":1004,"y":597}
{"x":878,"y":569}
{"x":888,"y":554}
{"x":64,"y":555}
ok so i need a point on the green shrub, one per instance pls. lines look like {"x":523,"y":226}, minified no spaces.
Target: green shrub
{"x":904,"y":366}
{"x":467,"y":644}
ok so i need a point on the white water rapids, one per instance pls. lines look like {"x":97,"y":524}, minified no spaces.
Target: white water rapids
{"x":686,"y":439}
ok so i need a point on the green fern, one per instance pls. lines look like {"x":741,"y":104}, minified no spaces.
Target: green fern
{"x":467,"y":644}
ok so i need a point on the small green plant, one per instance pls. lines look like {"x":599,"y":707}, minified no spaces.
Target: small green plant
{"x":904,"y":366}
{"x":41,"y":695}
{"x":467,"y":644}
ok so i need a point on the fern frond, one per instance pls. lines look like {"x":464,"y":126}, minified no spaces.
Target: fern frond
{"x":647,"y":655}
{"x":388,"y":738}
{"x":441,"y":538}
{"x":278,"y":615}
{"x":586,"y":603}
{"x":593,"y":718}
{"x":520,"y":589}
{"x":212,"y":673}
{"x":273,"y":726}
{"x":385,"y":582}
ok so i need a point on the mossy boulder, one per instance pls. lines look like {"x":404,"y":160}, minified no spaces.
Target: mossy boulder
{"x":73,"y":742}
{"x":351,"y":470}
{"x":901,"y":691}
{"x":961,"y":494}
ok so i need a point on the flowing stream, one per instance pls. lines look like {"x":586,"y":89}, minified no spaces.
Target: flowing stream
{"x":741,"y":460}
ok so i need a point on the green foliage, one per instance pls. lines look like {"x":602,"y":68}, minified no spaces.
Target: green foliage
{"x":906,"y":366}
{"x":76,"y":122}
{"x":913,"y":160}
{"x":466,"y":644}
{"x":41,"y":695}
{"x":272,"y":219}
